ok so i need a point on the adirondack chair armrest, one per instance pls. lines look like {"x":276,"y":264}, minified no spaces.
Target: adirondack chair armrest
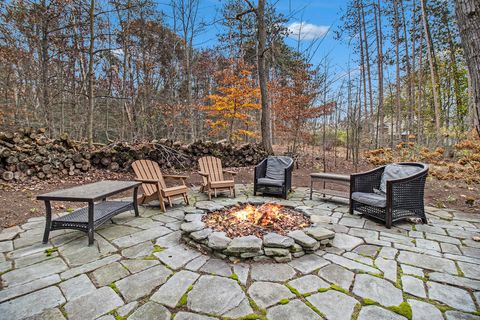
{"x":230,"y":172}
{"x":174,"y":176}
{"x":204,"y":174}
{"x":149,"y":181}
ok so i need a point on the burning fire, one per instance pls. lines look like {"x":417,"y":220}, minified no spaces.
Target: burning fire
{"x":247,"y":219}
{"x":264,"y":215}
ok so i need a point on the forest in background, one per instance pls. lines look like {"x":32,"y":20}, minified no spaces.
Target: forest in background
{"x":104,"y":71}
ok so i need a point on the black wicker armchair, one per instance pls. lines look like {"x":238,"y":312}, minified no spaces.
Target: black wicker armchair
{"x":390,"y":195}
{"x":274,"y":176}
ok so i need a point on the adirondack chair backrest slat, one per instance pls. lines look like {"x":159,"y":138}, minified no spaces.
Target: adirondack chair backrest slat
{"x":147,"y":169}
{"x":212,"y":166}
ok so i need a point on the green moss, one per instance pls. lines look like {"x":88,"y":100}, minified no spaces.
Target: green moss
{"x":157,"y":248}
{"x":183,"y":299}
{"x":119,"y":317}
{"x":338,"y":288}
{"x":414,"y":241}
{"x":234,"y":276}
{"x":150,"y":257}
{"x":62,"y":310}
{"x":252,"y":304}
{"x":403,"y":309}
{"x":378,"y":275}
{"x":459,"y":271}
{"x":414,"y":227}
{"x":292,"y":289}
{"x":252,"y":316}
{"x":356,"y":311}
{"x":311,"y":306}
{"x":442,"y":307}
{"x":368,"y":302}
{"x":114,"y":287}
{"x":306,"y":295}
{"x":283,"y":301}
{"x":50,"y":251}
{"x":323,"y":289}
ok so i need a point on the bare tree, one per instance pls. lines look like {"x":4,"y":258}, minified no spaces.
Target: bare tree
{"x":468,"y":17}
{"x":432,"y":62}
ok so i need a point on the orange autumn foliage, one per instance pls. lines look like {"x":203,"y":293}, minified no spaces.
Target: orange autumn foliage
{"x":230,"y":112}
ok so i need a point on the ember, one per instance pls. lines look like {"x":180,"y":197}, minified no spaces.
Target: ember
{"x":247,"y":219}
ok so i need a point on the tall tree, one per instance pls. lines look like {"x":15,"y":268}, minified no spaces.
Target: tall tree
{"x":432,"y":62}
{"x":468,"y":17}
{"x":265,"y":121}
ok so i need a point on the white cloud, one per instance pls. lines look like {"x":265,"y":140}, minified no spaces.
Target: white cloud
{"x":306,"y":31}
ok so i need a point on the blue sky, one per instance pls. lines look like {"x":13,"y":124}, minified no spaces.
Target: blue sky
{"x":312,"y":17}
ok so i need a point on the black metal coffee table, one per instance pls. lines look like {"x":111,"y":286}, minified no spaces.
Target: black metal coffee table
{"x":99,"y":210}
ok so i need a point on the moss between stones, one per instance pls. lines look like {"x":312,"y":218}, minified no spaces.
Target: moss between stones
{"x":356,"y":311}
{"x":114,"y":287}
{"x":183,"y":299}
{"x":369,"y":302}
{"x":311,"y":306}
{"x":323,"y":289}
{"x":292,"y":289}
{"x":378,"y":275}
{"x":283,"y":301}
{"x":50,"y":251}
{"x":234,"y":276}
{"x":459,"y":271}
{"x":338,"y":288}
{"x":403,"y":309}
{"x":62,"y":310}
{"x":157,"y":248}
{"x":150,"y":257}
{"x":115,"y":314}
{"x":252,"y":316}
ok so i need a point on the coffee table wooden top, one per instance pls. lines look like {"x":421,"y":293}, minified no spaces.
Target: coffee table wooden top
{"x":90,"y":192}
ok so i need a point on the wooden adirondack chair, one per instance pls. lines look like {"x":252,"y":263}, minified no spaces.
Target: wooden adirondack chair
{"x":212,"y":173}
{"x":154,"y":188}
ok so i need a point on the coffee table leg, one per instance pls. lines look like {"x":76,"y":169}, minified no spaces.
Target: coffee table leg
{"x":311,"y":188}
{"x":90,"y":222}
{"x":48,"y":222}
{"x":135,"y":204}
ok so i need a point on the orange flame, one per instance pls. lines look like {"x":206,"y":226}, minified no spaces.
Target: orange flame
{"x":263,"y":215}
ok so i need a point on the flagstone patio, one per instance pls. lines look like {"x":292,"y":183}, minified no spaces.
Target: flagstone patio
{"x":140,"y":269}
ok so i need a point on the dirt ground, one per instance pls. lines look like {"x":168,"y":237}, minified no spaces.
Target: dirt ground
{"x":18,"y":202}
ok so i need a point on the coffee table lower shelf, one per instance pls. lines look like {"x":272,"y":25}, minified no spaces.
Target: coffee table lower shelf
{"x":102,"y":212}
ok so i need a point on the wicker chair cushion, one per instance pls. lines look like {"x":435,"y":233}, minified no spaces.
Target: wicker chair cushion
{"x":397,"y":171}
{"x":371,"y":199}
{"x":270,"y":182}
{"x":276,"y":167}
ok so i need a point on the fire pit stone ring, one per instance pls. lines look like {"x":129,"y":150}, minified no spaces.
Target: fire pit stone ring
{"x":246,"y":230}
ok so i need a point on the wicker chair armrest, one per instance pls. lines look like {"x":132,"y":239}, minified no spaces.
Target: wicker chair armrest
{"x":407,"y":190}
{"x":260,"y":169}
{"x":366,"y":181}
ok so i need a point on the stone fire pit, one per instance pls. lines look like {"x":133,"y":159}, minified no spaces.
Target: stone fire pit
{"x":198,"y":231}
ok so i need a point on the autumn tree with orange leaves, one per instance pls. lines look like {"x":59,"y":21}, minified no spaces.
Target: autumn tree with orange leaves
{"x":294,"y":102}
{"x":237,"y":96}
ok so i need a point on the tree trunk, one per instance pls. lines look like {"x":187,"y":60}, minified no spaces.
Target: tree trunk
{"x":91,"y":75}
{"x":380,"y":111}
{"x":398,"y":106}
{"x":262,"y":78}
{"x":433,"y":71}
{"x":468,"y":17}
